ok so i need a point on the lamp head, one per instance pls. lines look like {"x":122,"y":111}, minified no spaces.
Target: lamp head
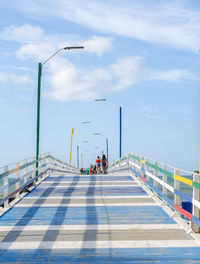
{"x":100,"y":100}
{"x":75,"y":47}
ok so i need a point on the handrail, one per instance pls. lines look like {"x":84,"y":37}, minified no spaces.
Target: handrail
{"x":22,"y":176}
{"x":169,"y":183}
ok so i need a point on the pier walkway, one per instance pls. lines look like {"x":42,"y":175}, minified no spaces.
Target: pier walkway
{"x":110,"y":218}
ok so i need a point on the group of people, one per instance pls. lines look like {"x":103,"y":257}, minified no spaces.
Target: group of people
{"x":100,"y":163}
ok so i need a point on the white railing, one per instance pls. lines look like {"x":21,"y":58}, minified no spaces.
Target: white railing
{"x":178,"y":188}
{"x":16,"y":178}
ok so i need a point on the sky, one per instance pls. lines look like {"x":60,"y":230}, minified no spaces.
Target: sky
{"x":144,"y":58}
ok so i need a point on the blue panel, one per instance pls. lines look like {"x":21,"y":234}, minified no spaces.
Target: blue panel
{"x":103,"y":256}
{"x":156,"y":190}
{"x":183,"y":195}
{"x":86,"y":215}
{"x":187,"y":206}
{"x":135,"y":172}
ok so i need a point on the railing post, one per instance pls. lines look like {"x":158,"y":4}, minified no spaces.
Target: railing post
{"x":147,"y":169}
{"x":142,"y":168}
{"x":131,"y":158}
{"x":48,"y":164}
{"x":127,"y":158}
{"x":164,"y":178}
{"x":44,"y":165}
{"x":195,"y":209}
{"x":138,"y":163}
{"x":34,"y":171}
{"x":177,"y":199}
{"x":17,"y":176}
{"x":6,"y":190}
{"x":156,"y":174}
{"x":39,"y":166}
{"x":25,"y":172}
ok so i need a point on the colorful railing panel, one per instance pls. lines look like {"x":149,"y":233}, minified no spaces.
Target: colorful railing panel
{"x":177,"y":188}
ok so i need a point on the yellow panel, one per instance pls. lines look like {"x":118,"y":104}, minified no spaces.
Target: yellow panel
{"x":142,"y":161}
{"x":182,"y":179}
{"x":14,"y":170}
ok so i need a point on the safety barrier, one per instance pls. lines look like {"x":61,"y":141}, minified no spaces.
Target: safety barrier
{"x":179,"y":189}
{"x":19,"y":177}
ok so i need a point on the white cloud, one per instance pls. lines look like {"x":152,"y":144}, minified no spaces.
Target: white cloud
{"x":97,"y":44}
{"x":13,"y":78}
{"x":38,"y":52}
{"x":66,"y":82}
{"x":148,"y":109}
{"x":127,"y":71}
{"x":153,"y":116}
{"x":163,"y":22}
{"x":70,"y":84}
{"x":37,"y":44}
{"x":171,"y":75}
{"x":24,"y":33}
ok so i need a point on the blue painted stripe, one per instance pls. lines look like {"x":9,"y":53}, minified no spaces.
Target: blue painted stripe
{"x":90,"y":178}
{"x":13,"y":182}
{"x":87,"y":191}
{"x":156,"y":190}
{"x":103,"y":256}
{"x":196,"y":221}
{"x":135,"y":172}
{"x":4,"y":199}
{"x":170,"y":202}
{"x":183,"y":195}
{"x":86,"y":215}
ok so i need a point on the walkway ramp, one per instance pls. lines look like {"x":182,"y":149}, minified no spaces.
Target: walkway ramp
{"x":92,"y":219}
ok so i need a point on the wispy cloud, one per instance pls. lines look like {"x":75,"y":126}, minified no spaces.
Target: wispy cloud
{"x":70,"y":84}
{"x":24,"y":33}
{"x":35,"y":40}
{"x":151,"y":112}
{"x":14,"y":78}
{"x":17,"y":68}
{"x":148,"y":109}
{"x":151,"y":116}
{"x":67,"y":82}
{"x":175,"y":75}
{"x":174,"y":24}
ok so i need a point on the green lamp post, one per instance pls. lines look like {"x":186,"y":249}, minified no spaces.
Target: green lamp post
{"x":40,"y":65}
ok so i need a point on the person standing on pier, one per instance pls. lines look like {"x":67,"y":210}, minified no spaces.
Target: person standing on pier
{"x":98,"y":165}
{"x":104,"y":164}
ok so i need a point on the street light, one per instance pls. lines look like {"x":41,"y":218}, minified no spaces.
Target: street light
{"x":40,"y":65}
{"x":99,"y":134}
{"x":86,"y":122}
{"x":120,"y":122}
{"x":70,"y":159}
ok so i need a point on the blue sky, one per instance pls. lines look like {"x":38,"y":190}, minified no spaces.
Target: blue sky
{"x":143,"y":57}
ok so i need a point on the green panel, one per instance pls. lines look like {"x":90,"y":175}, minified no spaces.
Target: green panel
{"x":196,"y":185}
{"x":169,"y":174}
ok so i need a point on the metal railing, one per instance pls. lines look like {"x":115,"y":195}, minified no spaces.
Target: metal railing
{"x":179,"y":189}
{"x":18,"y":177}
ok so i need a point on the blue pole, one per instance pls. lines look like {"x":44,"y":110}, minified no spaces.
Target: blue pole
{"x":120,"y":132}
{"x":107,"y":148}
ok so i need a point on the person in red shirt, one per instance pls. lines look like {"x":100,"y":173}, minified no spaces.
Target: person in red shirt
{"x":98,"y":165}
{"x":91,"y":170}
